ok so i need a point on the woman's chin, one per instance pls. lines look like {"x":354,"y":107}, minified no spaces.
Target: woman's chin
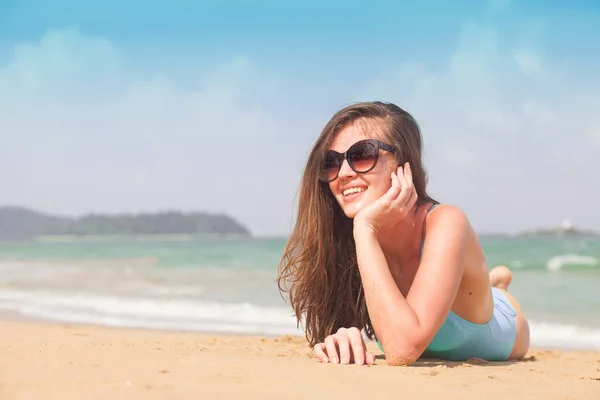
{"x":350,"y":214}
{"x":352,"y":209}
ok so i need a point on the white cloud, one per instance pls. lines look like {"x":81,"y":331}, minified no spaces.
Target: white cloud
{"x":59,"y":58}
{"x":528,"y":62}
{"x":498,"y":4}
{"x":81,"y":135}
{"x":502,"y":126}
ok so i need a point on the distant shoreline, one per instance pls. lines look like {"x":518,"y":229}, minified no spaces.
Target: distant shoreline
{"x":25,"y":225}
{"x":166,"y":237}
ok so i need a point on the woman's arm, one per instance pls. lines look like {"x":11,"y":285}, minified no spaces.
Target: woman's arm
{"x":406,"y":326}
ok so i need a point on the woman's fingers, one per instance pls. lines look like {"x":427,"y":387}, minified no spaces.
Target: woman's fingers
{"x":320,"y":352}
{"x":408,"y":173}
{"x":406,"y":190}
{"x":346,"y":346}
{"x":412,"y":200}
{"x":369,"y":358}
{"x":343,"y":342}
{"x":330,"y":346}
{"x":357,"y":345}
{"x":394,"y":190}
{"x":405,"y":176}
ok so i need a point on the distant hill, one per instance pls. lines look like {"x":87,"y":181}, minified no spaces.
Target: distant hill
{"x":18,"y":223}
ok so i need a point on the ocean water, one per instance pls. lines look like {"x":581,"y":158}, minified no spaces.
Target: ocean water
{"x":228,"y":285}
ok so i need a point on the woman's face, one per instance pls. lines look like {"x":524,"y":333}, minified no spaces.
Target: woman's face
{"x":353,"y":190}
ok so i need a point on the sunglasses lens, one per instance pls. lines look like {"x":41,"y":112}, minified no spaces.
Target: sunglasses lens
{"x":362,"y":156}
{"x":331,"y":166}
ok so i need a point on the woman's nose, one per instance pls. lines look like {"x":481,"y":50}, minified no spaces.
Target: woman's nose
{"x":346,"y":170}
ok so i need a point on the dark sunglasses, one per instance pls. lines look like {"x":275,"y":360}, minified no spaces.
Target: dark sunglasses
{"x":362,"y":157}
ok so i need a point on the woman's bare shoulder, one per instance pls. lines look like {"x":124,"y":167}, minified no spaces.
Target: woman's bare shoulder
{"x":446,"y":212}
{"x":446,"y":220}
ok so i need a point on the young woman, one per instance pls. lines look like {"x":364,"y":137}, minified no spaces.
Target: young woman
{"x":372,"y":251}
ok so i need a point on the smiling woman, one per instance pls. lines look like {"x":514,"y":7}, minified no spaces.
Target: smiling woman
{"x":369,"y":252}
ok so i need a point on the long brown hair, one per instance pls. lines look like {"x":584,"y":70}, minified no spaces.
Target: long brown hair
{"x":319,"y":267}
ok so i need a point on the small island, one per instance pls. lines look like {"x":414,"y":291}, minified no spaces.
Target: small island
{"x":566,"y":228}
{"x":22,"y":224}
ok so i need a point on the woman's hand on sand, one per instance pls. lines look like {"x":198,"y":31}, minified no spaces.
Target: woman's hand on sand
{"x":393,"y":206}
{"x":346,"y":346}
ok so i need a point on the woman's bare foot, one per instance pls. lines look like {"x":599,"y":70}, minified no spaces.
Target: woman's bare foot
{"x":500,"y":277}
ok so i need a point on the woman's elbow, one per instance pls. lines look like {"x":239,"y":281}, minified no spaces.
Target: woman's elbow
{"x":407,"y":350}
{"x":404,"y":356}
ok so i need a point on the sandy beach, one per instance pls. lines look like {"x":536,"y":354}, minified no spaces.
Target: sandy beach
{"x":42,"y":360}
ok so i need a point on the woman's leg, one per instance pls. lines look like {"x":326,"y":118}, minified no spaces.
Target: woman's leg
{"x":501,"y":277}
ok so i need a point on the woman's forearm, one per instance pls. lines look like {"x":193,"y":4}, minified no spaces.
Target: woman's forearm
{"x":394,"y":321}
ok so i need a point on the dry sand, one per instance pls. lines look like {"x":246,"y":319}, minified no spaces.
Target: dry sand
{"x":58,"y":361}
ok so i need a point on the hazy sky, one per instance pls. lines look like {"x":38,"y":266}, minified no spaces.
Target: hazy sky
{"x":120,"y":106}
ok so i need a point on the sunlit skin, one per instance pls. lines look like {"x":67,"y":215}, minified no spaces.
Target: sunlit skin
{"x":409,"y":297}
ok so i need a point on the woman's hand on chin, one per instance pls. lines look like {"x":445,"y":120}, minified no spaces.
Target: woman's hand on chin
{"x":393,"y":206}
{"x":344,"y":347}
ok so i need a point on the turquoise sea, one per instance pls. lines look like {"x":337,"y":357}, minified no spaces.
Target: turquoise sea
{"x":228,"y":285}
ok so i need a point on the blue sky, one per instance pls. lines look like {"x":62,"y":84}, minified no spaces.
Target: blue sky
{"x":120,"y":106}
